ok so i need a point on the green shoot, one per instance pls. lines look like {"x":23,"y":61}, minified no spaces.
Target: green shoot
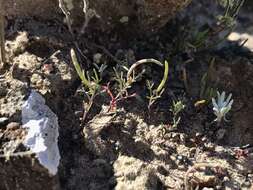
{"x":177,"y":108}
{"x":207,"y":85}
{"x":122,"y":89}
{"x":165,"y":77}
{"x":80,"y":72}
{"x":91,"y":83}
{"x":156,"y":94}
{"x":225,"y":23}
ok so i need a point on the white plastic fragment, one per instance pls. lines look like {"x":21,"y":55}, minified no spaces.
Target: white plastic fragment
{"x":42,"y":126}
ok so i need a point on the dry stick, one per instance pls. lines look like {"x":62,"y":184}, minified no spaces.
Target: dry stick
{"x":66,"y":13}
{"x":85,"y":11}
{"x":88,"y":15}
{"x":25,"y":153}
{"x":195,"y":167}
{"x":68,"y":20}
{"x":2,"y":41}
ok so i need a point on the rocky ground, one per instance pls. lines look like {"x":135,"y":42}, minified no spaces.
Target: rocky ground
{"x":132,"y":148}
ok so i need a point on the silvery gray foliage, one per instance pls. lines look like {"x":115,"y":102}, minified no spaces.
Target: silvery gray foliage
{"x":222,"y":106}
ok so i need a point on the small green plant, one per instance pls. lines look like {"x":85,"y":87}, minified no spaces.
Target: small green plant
{"x":228,"y":19}
{"x":155,"y":94}
{"x":123,"y":84}
{"x":177,"y":108}
{"x":122,"y":89}
{"x":91,"y":83}
{"x":199,"y":39}
{"x":207,"y":89}
{"x":92,"y":86}
{"x":225,"y":23}
{"x":222,"y":106}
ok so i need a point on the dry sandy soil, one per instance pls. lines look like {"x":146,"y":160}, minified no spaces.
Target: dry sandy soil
{"x":133,"y":148}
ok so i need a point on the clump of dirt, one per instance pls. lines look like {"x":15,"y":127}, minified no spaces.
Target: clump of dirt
{"x":237,"y":78}
{"x":132,"y":173}
{"x":144,"y":16}
{"x":13,"y":95}
{"x":19,"y":168}
{"x":29,"y":68}
{"x":146,"y":157}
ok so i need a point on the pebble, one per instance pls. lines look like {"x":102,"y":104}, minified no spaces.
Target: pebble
{"x":3,"y":121}
{"x":13,"y":125}
{"x":226,"y":179}
{"x":3,"y":91}
{"x":210,"y":146}
{"x":246,"y":184}
{"x":124,"y":19}
{"x":97,"y":58}
{"x":219,"y":149}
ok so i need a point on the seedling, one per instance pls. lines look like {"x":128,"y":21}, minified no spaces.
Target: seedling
{"x":122,"y":95}
{"x":177,"y":108}
{"x":155,"y":94}
{"x":225,"y":23}
{"x":125,"y":83}
{"x":222,"y":106}
{"x":66,"y":12}
{"x":122,"y":88}
{"x":207,"y":89}
{"x":90,"y":83}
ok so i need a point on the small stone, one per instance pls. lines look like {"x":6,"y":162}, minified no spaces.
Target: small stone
{"x":3,"y":91}
{"x":3,"y":121}
{"x":173,"y":157}
{"x":182,"y":138}
{"x":36,"y":78}
{"x":181,"y":167}
{"x":48,"y":68}
{"x":246,"y":184}
{"x":206,"y":180}
{"x":204,"y":139}
{"x":124,"y":19}
{"x":179,"y":157}
{"x":219,"y":149}
{"x":210,"y":146}
{"x":97,"y":58}
{"x":192,"y":152}
{"x":225,"y":179}
{"x":13,"y":125}
{"x":198,"y":135}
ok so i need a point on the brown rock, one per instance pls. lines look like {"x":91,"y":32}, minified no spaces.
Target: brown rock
{"x":19,"y":168}
{"x":23,"y":172}
{"x":135,"y":15}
